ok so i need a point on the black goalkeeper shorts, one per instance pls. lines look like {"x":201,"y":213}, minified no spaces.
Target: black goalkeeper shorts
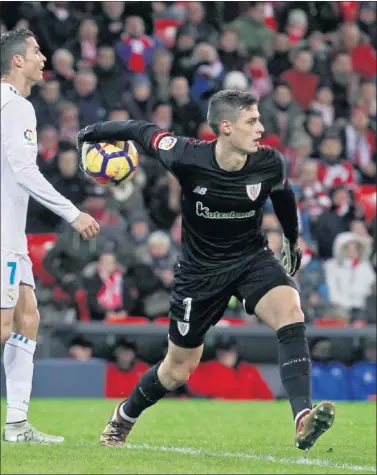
{"x":199,"y":301}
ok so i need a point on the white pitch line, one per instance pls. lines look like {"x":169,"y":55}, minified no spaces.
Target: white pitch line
{"x":264,"y":458}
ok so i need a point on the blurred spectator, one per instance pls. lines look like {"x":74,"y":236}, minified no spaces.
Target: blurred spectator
{"x":111,"y":78}
{"x":63,"y":63}
{"x":196,"y":25}
{"x":162,"y":116}
{"x":111,"y":22}
{"x":68,"y":257}
{"x":69,"y":181}
{"x":182,"y":56}
{"x":349,"y":274}
{"x":323,"y":103}
{"x":48,"y":147}
{"x":208,"y":75}
{"x":320,"y":50}
{"x":261,"y":85}
{"x":360,"y":145}
{"x":300,"y":74}
{"x":367,"y":20}
{"x":113,"y":225}
{"x":280,"y":62}
{"x":87,"y":99}
{"x":140,"y":230}
{"x":229,"y":51}
{"x":312,"y":196}
{"x":160,"y":74}
{"x":85,"y":46}
{"x":311,"y":283}
{"x":109,"y":290}
{"x":123,"y":374}
{"x":161,"y":257}
{"x":56,"y":24}
{"x":363,"y":56}
{"x":118,"y":114}
{"x":281,"y":115}
{"x":46,"y":104}
{"x":320,"y":349}
{"x":368,"y":100}
{"x":315,"y":127}
{"x":186,"y":113}
{"x":334,"y":221}
{"x":236,"y":80}
{"x":69,"y":123}
{"x":227,"y":377}
{"x":127,"y":198}
{"x":342,"y":83}
{"x":135,"y":49}
{"x":80,"y":348}
{"x":165,"y":201}
{"x":139,"y":102}
{"x":297,"y":26}
{"x":252,"y":30}
{"x":332,"y":169}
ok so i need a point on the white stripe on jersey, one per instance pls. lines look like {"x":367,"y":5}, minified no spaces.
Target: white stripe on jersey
{"x":20,"y":175}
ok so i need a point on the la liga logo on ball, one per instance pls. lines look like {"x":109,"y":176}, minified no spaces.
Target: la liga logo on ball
{"x":111,"y":164}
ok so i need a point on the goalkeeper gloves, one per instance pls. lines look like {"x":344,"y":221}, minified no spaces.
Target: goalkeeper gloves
{"x":292,"y":256}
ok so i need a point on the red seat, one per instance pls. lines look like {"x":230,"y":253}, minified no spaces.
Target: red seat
{"x":365,"y":196}
{"x":161,"y":320}
{"x":38,"y":245}
{"x":128,"y":320}
{"x":323,"y":322}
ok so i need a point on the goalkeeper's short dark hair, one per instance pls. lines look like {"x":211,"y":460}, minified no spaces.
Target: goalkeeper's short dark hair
{"x":11,"y":43}
{"x":226,"y":105}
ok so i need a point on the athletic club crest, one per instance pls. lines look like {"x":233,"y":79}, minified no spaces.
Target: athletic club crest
{"x":183,"y":328}
{"x":253,"y":191}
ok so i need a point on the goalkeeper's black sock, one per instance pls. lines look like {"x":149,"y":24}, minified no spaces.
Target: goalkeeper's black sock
{"x":295,"y":366}
{"x":147,"y":392}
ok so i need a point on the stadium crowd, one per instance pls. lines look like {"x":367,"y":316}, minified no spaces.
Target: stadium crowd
{"x":313,"y":67}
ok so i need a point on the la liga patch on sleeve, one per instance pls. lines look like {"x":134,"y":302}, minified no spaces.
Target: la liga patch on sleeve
{"x":167,"y":143}
{"x":29,"y":137}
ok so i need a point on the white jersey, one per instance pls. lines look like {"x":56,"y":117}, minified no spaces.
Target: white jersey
{"x":20,"y":175}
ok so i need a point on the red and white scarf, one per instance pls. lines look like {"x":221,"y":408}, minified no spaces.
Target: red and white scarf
{"x":136,"y":61}
{"x":110,"y":295}
{"x":359,"y":147}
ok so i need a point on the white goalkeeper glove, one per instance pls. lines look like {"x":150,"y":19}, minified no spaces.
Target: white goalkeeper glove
{"x":292,"y":256}
{"x":82,"y":152}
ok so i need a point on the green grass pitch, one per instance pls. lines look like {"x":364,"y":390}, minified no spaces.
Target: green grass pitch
{"x":193,"y":436}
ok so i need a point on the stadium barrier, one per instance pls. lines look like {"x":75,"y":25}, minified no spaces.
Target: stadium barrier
{"x":256,"y":344}
{"x":64,"y":377}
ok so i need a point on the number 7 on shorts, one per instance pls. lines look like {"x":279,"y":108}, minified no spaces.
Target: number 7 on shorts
{"x":12,"y":275}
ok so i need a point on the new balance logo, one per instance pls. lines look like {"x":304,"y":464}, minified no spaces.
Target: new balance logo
{"x":200,"y":190}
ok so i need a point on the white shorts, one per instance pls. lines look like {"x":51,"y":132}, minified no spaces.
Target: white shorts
{"x":16,"y":269}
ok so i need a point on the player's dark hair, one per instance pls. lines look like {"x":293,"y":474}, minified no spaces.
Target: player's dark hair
{"x":12,"y":43}
{"x":226,"y":105}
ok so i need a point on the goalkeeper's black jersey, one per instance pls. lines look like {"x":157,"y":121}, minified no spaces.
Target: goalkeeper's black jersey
{"x":221,"y":210}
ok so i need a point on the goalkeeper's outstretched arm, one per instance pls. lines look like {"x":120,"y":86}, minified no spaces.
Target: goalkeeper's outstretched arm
{"x":149,"y":139}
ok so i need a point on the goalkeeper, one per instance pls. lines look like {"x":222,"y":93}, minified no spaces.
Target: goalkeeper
{"x":225,"y":185}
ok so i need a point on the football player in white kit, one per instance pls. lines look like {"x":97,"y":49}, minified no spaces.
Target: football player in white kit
{"x":21,"y":68}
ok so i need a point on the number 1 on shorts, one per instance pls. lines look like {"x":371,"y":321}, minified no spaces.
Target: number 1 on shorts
{"x":12,"y":276}
{"x":187,"y":303}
